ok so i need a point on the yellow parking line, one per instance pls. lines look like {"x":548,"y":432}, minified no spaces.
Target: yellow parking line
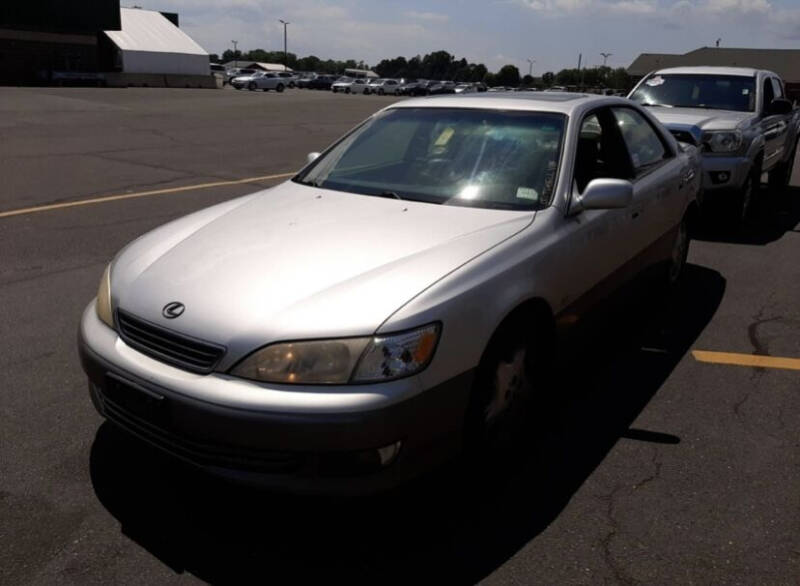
{"x":107,"y":198}
{"x":746,"y":360}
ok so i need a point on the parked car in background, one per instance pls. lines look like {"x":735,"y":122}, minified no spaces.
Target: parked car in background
{"x":234,"y":73}
{"x":261,"y":80}
{"x":385,"y":86}
{"x":372,"y":85}
{"x":342,"y":84}
{"x":289,"y":78}
{"x":465,"y":88}
{"x":442,"y":87}
{"x":397,"y":301}
{"x":321,"y":82}
{"x":418,"y":88}
{"x":304,"y":81}
{"x":738,"y":116}
{"x":351,"y":86}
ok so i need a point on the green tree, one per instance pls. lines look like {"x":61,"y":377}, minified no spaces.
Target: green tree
{"x":508,"y":75}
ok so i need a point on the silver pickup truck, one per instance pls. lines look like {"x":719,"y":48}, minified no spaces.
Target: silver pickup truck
{"x":740,"y":118}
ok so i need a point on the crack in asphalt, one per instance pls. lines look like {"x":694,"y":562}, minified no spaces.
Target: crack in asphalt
{"x":619,"y":573}
{"x":51,"y":273}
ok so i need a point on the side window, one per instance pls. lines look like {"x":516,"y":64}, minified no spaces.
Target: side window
{"x":644,"y":145}
{"x":769,"y":94}
{"x":777,"y":87}
{"x":599,"y":153}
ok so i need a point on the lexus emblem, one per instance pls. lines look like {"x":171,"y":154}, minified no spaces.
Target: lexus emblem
{"x":173,"y":310}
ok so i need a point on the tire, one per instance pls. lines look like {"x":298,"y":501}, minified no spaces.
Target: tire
{"x":279,"y":88}
{"x":251,"y":86}
{"x":381,"y":92}
{"x":291,"y":85}
{"x":502,"y":399}
{"x":347,"y":90}
{"x":680,"y":251}
{"x":747,"y":195}
{"x":780,"y":176}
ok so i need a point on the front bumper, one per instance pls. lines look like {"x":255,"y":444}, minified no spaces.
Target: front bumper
{"x":721,"y":173}
{"x":314,"y":450}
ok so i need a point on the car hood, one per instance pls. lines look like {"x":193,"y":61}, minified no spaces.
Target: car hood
{"x":696,"y":120}
{"x":298,"y":262}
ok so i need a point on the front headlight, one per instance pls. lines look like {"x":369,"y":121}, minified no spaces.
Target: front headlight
{"x":338,"y":362}
{"x":104,"y":298}
{"x":722,"y":141}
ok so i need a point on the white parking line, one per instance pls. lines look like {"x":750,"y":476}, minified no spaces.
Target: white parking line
{"x":108,"y":198}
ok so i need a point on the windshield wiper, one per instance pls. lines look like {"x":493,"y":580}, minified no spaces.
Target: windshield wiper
{"x":389,"y":194}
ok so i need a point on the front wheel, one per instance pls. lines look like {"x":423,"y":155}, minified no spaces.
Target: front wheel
{"x":280,"y":88}
{"x":781,"y":175}
{"x":747,"y":195}
{"x":501,"y":404}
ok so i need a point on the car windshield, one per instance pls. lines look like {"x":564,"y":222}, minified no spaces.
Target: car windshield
{"x":453,"y":156}
{"x":717,"y":92}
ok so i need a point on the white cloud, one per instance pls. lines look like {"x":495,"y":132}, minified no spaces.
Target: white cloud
{"x":427,"y":16}
{"x":633,"y":7}
{"x":735,"y":6}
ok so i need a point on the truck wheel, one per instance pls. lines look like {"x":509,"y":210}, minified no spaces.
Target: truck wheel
{"x":747,"y":195}
{"x":780,"y":176}
{"x":280,"y":88}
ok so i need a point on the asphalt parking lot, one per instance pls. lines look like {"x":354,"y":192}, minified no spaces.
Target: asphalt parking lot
{"x":650,"y":467}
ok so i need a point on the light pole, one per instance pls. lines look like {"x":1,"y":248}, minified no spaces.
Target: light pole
{"x":605,"y":57}
{"x":235,"y":57}
{"x":285,"y":52}
{"x":530,"y":66}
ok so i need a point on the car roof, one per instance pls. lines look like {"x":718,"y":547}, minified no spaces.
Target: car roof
{"x":559,"y":102}
{"x":709,"y":70}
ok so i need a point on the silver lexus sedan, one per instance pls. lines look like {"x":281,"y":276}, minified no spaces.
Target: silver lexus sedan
{"x":395,"y":300}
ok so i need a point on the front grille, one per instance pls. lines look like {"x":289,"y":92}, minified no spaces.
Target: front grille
{"x":202,"y":453}
{"x":168,"y":346}
{"x":684,"y":136}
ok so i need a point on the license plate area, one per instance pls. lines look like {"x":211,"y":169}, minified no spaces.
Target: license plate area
{"x":142,"y":403}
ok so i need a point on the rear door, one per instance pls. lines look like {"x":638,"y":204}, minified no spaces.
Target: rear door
{"x":658,"y":199}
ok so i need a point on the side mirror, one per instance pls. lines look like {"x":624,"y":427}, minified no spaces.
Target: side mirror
{"x":311,"y":157}
{"x":779,"y":106}
{"x":604,"y":194}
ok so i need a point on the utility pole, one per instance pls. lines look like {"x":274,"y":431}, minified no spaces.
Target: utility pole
{"x":605,"y":57}
{"x":530,"y":66}
{"x":235,"y":56}
{"x":285,"y":52}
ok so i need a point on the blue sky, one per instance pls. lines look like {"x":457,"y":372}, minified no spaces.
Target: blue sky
{"x":553,"y":32}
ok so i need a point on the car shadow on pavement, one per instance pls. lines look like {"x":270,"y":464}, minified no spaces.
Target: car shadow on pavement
{"x":774,"y":214}
{"x":455,"y":525}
